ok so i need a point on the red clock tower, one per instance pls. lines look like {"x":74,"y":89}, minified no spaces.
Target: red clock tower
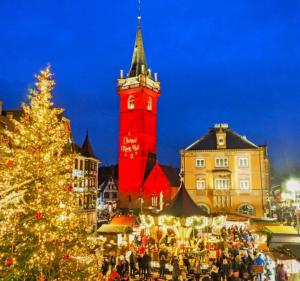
{"x":138,"y":93}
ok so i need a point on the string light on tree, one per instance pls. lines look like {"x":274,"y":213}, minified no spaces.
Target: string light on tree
{"x":41,"y":237}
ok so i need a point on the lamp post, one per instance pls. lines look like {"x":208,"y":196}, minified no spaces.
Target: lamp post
{"x":293,"y":186}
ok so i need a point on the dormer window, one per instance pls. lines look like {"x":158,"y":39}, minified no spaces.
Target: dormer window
{"x":149,"y":104}
{"x":131,"y":103}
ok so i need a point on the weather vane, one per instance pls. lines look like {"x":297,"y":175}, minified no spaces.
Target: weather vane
{"x":139,"y":11}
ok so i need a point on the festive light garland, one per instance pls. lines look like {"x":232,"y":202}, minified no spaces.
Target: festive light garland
{"x":196,"y":222}
{"x":219,"y":222}
{"x":147,"y":221}
{"x":168,"y":221}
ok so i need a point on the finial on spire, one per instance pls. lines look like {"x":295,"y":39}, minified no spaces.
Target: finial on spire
{"x":139,"y":12}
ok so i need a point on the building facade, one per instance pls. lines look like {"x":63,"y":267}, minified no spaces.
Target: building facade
{"x":141,"y":178}
{"x":85,"y":173}
{"x":225,"y":172}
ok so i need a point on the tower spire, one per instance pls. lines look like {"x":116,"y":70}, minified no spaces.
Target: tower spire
{"x":138,"y":62}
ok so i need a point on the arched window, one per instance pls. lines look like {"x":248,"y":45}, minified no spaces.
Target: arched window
{"x":131,"y":103}
{"x":246,"y":209}
{"x":204,"y":207}
{"x":149,"y":104}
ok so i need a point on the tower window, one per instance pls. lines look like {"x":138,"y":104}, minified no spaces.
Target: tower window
{"x":149,"y":104}
{"x":131,"y":103}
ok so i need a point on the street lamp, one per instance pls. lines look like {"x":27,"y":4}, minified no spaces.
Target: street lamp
{"x":293,"y":186}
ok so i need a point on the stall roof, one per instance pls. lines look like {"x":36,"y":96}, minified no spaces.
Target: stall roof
{"x":124,"y":220}
{"x":112,"y":228}
{"x":182,"y":205}
{"x":293,"y":249}
{"x":287,"y":252}
{"x":263,"y":220}
{"x":280,"y":229}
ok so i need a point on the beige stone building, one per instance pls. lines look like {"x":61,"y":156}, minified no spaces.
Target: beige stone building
{"x":225,"y":172}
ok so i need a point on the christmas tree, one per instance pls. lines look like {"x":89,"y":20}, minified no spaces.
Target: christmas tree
{"x":41,"y":236}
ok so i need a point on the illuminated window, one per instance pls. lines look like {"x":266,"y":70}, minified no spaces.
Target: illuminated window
{"x":243,"y":162}
{"x":222,"y":183}
{"x":200,"y":184}
{"x":221,"y":162}
{"x":154,"y":201}
{"x":131,"y":103}
{"x":149,"y":104}
{"x":200,"y":162}
{"x":244,"y":184}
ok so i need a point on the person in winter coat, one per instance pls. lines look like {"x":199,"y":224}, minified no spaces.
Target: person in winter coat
{"x":225,"y":268}
{"x":146,"y":265}
{"x":176,"y":270}
{"x":140,"y":265}
{"x":132,"y":262}
{"x":114,"y":275}
{"x":162,"y":265}
{"x":215,"y":274}
{"x":197,"y":269}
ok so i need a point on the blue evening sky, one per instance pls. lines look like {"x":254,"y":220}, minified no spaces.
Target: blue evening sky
{"x":235,"y":62}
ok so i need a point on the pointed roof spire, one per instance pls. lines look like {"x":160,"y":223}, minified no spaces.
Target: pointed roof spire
{"x":182,"y":205}
{"x":138,"y":63}
{"x":86,"y":148}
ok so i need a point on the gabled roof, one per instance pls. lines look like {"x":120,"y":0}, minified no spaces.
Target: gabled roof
{"x":172,"y":174}
{"x":233,"y":141}
{"x":138,"y":57}
{"x":87,"y":149}
{"x":151,"y":161}
{"x":182,"y":206}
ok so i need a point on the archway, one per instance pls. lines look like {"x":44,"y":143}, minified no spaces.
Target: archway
{"x":246,"y":208}
{"x":204,"y":207}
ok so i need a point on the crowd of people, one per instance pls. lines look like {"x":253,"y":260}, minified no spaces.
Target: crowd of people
{"x":232,"y":258}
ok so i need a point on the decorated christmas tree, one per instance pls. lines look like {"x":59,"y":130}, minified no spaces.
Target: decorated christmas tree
{"x":41,"y":235}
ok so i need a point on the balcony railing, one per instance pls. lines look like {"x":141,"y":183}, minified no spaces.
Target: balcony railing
{"x":226,"y":192}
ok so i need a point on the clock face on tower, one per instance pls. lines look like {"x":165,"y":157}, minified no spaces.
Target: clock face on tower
{"x":130,"y":146}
